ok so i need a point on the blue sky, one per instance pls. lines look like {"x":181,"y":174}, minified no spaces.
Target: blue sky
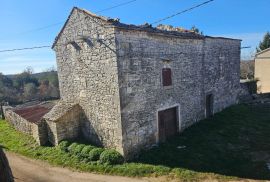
{"x":243,"y":19}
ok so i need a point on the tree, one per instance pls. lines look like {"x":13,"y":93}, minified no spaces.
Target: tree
{"x":29,"y":91}
{"x":25,"y":77}
{"x":196,"y":30}
{"x":247,"y":69}
{"x":29,"y":70}
{"x":265,"y":43}
{"x":5,"y":81}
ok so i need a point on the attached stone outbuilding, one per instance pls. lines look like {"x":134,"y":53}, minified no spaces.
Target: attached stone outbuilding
{"x":28,"y":118}
{"x":129,"y":87}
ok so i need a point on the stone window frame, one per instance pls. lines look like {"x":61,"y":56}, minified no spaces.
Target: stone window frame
{"x":166,"y":64}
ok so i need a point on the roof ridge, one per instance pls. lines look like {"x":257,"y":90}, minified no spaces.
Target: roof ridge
{"x":262,"y":51}
{"x":93,"y":14}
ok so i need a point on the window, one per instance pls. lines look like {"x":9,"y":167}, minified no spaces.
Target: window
{"x":166,"y":77}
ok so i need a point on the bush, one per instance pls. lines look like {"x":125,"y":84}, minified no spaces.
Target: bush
{"x":64,"y":145}
{"x":111,"y":157}
{"x":72,"y":147}
{"x":94,"y":154}
{"x":85,"y":151}
{"x":78,"y":149}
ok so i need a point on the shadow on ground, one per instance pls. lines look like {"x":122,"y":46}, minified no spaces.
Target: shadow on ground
{"x":5,"y":171}
{"x":235,"y":142}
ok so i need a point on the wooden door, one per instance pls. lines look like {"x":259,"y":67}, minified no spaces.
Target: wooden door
{"x":209,"y":105}
{"x":167,"y":123}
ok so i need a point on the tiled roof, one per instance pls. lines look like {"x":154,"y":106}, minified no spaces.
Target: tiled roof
{"x":160,"y":29}
{"x":146,"y":27}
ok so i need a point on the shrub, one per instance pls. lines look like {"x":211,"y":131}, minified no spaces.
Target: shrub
{"x":64,"y":145}
{"x":72,"y":147}
{"x":85,"y":151}
{"x":111,"y":157}
{"x":78,"y":149}
{"x":94,"y":154}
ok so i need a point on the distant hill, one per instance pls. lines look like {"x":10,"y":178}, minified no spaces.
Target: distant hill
{"x":28,"y":86}
{"x":36,"y":75}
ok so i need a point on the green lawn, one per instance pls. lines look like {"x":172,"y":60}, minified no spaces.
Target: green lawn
{"x":234,"y":143}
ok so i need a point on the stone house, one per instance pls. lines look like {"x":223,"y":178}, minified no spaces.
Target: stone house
{"x":129,"y":87}
{"x":262,"y":70}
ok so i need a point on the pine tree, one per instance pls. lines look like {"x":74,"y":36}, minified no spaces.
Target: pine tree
{"x":265,"y":43}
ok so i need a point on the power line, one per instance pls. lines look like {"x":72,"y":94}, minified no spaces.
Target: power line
{"x":40,"y":28}
{"x":61,"y":22}
{"x":181,"y":12}
{"x":116,"y":6}
{"x":246,"y":47}
{"x":26,"y":48}
{"x":158,"y":21}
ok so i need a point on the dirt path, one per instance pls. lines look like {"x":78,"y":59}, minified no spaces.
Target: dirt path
{"x":28,"y":170}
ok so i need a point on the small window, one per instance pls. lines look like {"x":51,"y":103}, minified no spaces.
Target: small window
{"x":166,"y":77}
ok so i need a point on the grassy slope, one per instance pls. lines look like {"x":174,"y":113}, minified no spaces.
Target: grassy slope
{"x":235,"y":142}
{"x":230,"y":144}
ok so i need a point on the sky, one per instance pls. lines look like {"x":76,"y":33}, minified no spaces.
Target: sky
{"x":28,"y":23}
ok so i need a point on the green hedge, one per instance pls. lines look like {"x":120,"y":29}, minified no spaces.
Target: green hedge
{"x":85,"y":151}
{"x":111,"y":157}
{"x":92,"y":153}
{"x":72,"y":147}
{"x":64,"y":145}
{"x":78,"y":149}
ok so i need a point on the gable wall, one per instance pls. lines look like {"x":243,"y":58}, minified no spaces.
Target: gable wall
{"x":89,"y":77}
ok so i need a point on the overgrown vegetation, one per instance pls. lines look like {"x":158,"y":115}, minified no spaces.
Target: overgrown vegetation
{"x":265,"y":43}
{"x":234,"y":143}
{"x":247,"y":69}
{"x":28,"y":86}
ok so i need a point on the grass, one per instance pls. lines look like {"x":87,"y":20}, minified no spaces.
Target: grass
{"x":234,"y":143}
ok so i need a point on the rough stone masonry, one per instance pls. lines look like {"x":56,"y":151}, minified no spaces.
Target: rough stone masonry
{"x":129,"y":87}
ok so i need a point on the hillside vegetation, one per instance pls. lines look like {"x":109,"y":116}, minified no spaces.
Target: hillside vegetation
{"x":27,"y":86}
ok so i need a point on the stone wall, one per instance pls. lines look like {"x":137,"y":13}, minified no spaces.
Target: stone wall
{"x":66,"y":126}
{"x":221,"y":71}
{"x":113,"y":72}
{"x":37,"y":130}
{"x":199,"y":67}
{"x":88,"y":76}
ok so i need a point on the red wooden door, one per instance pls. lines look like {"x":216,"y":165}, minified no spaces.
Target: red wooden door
{"x":167,"y":122}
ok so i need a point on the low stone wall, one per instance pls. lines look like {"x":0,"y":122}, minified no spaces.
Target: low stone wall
{"x":37,"y":130}
{"x":247,"y":89}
